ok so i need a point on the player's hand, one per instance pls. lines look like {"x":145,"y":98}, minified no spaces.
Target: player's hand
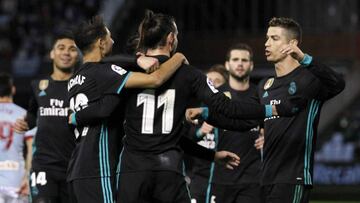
{"x":206,"y":128}
{"x":69,"y":118}
{"x":294,"y":51}
{"x":21,"y":125}
{"x":24,"y":187}
{"x":149,"y":64}
{"x":185,"y":61}
{"x":259,"y":142}
{"x":192,"y":113}
{"x":229,"y":159}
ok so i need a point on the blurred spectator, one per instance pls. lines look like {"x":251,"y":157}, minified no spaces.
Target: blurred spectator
{"x":27,"y":28}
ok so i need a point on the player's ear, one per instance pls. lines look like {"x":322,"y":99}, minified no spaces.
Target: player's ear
{"x":13,"y":90}
{"x":227,"y":66}
{"x":52,"y":54}
{"x":252,"y":65}
{"x":100,"y":43}
{"x":170,"y":38}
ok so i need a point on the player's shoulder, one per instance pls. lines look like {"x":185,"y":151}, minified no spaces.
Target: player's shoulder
{"x":17,"y":110}
{"x":40,"y":79}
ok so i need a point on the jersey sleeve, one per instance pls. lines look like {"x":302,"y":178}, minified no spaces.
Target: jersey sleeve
{"x":332,"y":83}
{"x":31,"y":115}
{"x":205,"y":91}
{"x":97,"y":111}
{"x":221,"y":121}
{"x":30,"y":133}
{"x":111,"y":78}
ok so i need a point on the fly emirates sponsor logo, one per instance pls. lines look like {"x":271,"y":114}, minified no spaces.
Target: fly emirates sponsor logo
{"x":56,"y":109}
{"x":273,"y":102}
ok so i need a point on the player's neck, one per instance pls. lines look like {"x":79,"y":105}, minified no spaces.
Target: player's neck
{"x":286,"y":66}
{"x":240,"y":85}
{"x":158,"y":51}
{"x":92,"y":56}
{"x":59,"y":75}
{"x":6,"y":100}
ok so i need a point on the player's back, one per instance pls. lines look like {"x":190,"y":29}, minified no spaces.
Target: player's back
{"x":11,"y":146}
{"x":154,"y":116}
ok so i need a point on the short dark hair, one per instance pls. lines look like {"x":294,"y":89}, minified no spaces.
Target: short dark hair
{"x":290,"y":25}
{"x":63,"y":34}
{"x":6,"y":84}
{"x":219,"y":68}
{"x":88,"y":32}
{"x":239,"y":46}
{"x":154,"y":29}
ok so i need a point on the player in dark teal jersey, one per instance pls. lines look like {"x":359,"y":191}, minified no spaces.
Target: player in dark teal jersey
{"x":48,"y":110}
{"x":93,"y":163}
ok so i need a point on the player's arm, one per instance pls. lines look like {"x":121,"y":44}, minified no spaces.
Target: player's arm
{"x":96,"y":111}
{"x":332,"y":82}
{"x":229,"y":159}
{"x":214,"y":118}
{"x":158,"y":77}
{"x":218,"y":102}
{"x":29,"y":121}
{"x":24,"y":187}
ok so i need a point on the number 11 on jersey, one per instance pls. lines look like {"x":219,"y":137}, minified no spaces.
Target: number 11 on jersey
{"x":148,"y":100}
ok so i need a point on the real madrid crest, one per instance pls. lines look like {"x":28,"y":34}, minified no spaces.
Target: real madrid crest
{"x":268,"y":83}
{"x":43,"y":85}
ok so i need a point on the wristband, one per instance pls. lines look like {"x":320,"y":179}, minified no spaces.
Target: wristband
{"x":205,"y":113}
{"x":268,"y":111}
{"x":73,"y":119}
{"x":306,"y":60}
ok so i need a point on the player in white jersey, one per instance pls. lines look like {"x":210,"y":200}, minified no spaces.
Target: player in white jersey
{"x":14,"y":170}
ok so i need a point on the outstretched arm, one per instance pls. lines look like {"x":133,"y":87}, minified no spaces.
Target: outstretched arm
{"x":219,"y":119}
{"x":158,"y":77}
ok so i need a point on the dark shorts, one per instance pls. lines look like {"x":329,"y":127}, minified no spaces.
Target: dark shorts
{"x":48,"y":185}
{"x":283,"y":193}
{"x":241,"y":193}
{"x":198,"y":189}
{"x":92,"y":190}
{"x":152,"y":186}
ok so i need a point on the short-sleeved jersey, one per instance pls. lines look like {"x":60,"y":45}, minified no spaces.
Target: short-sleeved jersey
{"x":53,"y":141}
{"x":241,"y":143}
{"x":290,"y":141}
{"x":97,"y":146}
{"x":154,"y":119}
{"x":12,"y":167}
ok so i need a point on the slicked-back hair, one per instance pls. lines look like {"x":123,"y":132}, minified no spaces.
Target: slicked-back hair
{"x":154,"y":29}
{"x":6,"y":84}
{"x":293,"y":27}
{"x":64,"y":34}
{"x":219,"y":68}
{"x":239,"y":46}
{"x":88,"y":32}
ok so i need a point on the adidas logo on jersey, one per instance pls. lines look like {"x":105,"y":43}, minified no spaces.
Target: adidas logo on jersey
{"x":266,"y":94}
